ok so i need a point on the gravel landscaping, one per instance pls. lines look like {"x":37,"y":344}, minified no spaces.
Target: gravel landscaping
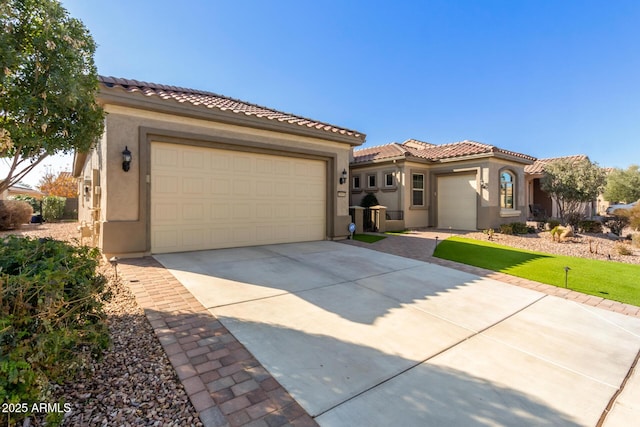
{"x":593,"y":246}
{"x":134,"y":384}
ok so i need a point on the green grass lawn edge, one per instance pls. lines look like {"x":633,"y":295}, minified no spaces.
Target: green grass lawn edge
{"x":607,"y":279}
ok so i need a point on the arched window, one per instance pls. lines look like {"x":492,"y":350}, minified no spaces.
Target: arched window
{"x":507,"y":190}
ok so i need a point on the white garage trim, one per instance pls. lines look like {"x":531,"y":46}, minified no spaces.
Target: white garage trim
{"x":457,"y":201}
{"x":208,"y":198}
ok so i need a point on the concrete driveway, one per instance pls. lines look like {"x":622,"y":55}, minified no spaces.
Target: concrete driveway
{"x":360,"y":337}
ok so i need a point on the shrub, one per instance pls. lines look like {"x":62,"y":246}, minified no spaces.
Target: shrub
{"x":369,"y":200}
{"x":552,"y":223}
{"x":515,"y":228}
{"x":590,"y":226}
{"x":53,"y":207}
{"x":35,"y":203}
{"x":624,"y":249}
{"x":573,"y":219}
{"x":14,"y":213}
{"x":635,"y":240}
{"x":616,"y":223}
{"x":51,"y":317}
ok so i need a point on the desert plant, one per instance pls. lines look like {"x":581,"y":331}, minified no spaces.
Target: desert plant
{"x":489,"y":232}
{"x":14,"y":213}
{"x":590,"y":226}
{"x":617,"y":223}
{"x":623,"y":249}
{"x":552,"y":223}
{"x":51,"y":317}
{"x":635,"y":240}
{"x":515,"y":228}
{"x":53,"y":207}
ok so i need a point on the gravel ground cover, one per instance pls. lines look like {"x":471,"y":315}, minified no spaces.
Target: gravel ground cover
{"x":134,"y":384}
{"x":593,"y":246}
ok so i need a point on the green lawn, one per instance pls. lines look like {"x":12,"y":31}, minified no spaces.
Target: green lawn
{"x":368,"y":238}
{"x":606,"y":279}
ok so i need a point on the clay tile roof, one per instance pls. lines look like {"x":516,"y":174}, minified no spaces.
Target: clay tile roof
{"x":431,"y":152}
{"x":380,"y":152}
{"x":538,"y":166}
{"x":212,"y":100}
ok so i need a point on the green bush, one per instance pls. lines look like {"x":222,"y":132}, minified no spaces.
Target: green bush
{"x":515,"y":228}
{"x":369,"y":200}
{"x":14,"y":213}
{"x":590,"y":226}
{"x":53,"y":207}
{"x":51,"y":316}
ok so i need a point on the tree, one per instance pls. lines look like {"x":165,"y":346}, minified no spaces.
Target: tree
{"x":623,"y":185}
{"x":572,"y":182}
{"x":63,"y":185}
{"x":48,"y":83}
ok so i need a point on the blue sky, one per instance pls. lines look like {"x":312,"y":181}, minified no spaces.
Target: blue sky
{"x":546,"y":78}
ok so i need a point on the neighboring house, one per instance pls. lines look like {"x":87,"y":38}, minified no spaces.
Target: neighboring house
{"x":18,"y":188}
{"x":464,"y":185}
{"x":540,"y":202}
{"x":207,"y":171}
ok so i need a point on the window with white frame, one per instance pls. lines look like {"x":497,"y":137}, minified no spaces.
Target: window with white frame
{"x":389,"y":179}
{"x":507,"y":190}
{"x":417,"y":189}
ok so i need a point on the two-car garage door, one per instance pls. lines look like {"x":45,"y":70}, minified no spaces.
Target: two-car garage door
{"x":205,"y":198}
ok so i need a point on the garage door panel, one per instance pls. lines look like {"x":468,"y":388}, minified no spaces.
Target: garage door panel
{"x":209,"y":198}
{"x":457,"y":201}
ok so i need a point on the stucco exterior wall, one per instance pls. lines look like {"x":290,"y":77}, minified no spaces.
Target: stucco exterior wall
{"x":486,"y":169}
{"x":124,"y":196}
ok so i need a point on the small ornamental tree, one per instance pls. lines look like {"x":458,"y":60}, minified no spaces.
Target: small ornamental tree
{"x":63,"y":185}
{"x":571,"y":182}
{"x":48,"y":83}
{"x":623,"y":185}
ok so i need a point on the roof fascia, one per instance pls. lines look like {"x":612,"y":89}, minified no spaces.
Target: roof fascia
{"x":120,"y":97}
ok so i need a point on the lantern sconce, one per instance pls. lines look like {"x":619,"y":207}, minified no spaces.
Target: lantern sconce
{"x":126,"y":159}
{"x":343,"y":176}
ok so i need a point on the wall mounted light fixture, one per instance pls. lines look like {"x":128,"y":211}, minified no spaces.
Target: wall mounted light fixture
{"x":343,"y":176}
{"x":126,"y":159}
{"x":483,"y":184}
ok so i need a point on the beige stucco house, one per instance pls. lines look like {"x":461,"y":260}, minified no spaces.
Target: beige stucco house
{"x":464,"y":185}
{"x":18,"y":189}
{"x":207,"y":171}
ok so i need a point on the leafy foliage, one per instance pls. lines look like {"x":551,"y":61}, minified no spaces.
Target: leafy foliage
{"x":571,"y":182}
{"x":515,"y":228}
{"x":48,"y":84}
{"x":590,"y":226}
{"x":33,"y":202}
{"x":53,"y":207}
{"x":51,"y":317}
{"x":14,"y":213}
{"x":62,"y":185}
{"x":623,"y":185}
{"x":369,"y":200}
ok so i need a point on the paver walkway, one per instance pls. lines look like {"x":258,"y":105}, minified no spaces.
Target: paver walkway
{"x":225,"y":383}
